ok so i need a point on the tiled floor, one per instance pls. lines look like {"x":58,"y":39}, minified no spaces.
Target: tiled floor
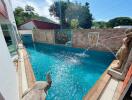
{"x":109,"y":90}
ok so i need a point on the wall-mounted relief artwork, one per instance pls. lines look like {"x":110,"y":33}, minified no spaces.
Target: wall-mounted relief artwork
{"x":93,"y":38}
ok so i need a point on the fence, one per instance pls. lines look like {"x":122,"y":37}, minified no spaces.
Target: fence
{"x":101,"y":39}
{"x":63,"y":36}
{"x":46,"y":36}
{"x":52,"y":36}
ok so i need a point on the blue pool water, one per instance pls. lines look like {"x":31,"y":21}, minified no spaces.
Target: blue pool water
{"x":73,"y":75}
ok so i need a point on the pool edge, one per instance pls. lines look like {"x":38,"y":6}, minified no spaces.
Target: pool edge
{"x":95,"y":92}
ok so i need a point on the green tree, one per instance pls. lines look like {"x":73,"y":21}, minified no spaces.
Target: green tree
{"x":74,"y":23}
{"x":80,"y":12}
{"x":119,"y":21}
{"x":66,"y":11}
{"x":85,"y":20}
{"x":58,"y":10}
{"x":29,"y":8}
{"x":99,"y":24}
{"x":18,"y":13}
{"x":22,"y":15}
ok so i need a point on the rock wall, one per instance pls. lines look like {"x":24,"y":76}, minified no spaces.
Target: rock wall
{"x":109,"y":39}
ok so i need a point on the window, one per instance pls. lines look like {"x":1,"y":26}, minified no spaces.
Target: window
{"x":9,"y":38}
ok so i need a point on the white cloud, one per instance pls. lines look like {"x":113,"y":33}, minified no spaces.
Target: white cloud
{"x":49,"y":2}
{"x":42,"y":9}
{"x":16,"y":3}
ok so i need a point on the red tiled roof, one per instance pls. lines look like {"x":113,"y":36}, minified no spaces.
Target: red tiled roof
{"x":3,"y":10}
{"x":45,"y":25}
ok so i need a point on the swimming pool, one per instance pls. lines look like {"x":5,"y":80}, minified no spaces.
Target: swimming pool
{"x":72,"y":75}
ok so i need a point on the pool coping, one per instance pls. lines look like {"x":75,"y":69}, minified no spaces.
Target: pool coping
{"x":99,"y":86}
{"x":29,"y":71}
{"x":25,"y":73}
{"x":26,"y":78}
{"x":98,"y":91}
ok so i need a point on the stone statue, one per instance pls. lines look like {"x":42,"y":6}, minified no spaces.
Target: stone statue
{"x":49,"y":81}
{"x":124,"y":50}
{"x":39,"y":90}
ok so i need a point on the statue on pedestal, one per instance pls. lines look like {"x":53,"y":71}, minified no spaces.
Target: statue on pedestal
{"x":39,"y":90}
{"x":123,"y":52}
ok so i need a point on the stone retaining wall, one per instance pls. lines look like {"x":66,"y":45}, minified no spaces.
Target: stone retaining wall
{"x":109,"y":39}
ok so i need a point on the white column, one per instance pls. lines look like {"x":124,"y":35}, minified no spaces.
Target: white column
{"x":8,"y":76}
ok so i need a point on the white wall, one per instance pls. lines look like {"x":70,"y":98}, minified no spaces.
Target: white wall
{"x":127,"y":27}
{"x":8,"y":77}
{"x":10,"y":12}
{"x":27,"y":26}
{"x":24,"y":32}
{"x":11,"y":20}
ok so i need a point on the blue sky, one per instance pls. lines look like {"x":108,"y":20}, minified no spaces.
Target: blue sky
{"x":107,"y":9}
{"x":101,"y":9}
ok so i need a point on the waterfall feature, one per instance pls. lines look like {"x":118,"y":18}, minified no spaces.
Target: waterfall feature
{"x":93,"y":38}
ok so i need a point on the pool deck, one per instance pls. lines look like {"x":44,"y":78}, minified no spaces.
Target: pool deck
{"x":25,"y":72}
{"x":96,"y":90}
{"x":110,"y":88}
{"x":28,"y":86}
